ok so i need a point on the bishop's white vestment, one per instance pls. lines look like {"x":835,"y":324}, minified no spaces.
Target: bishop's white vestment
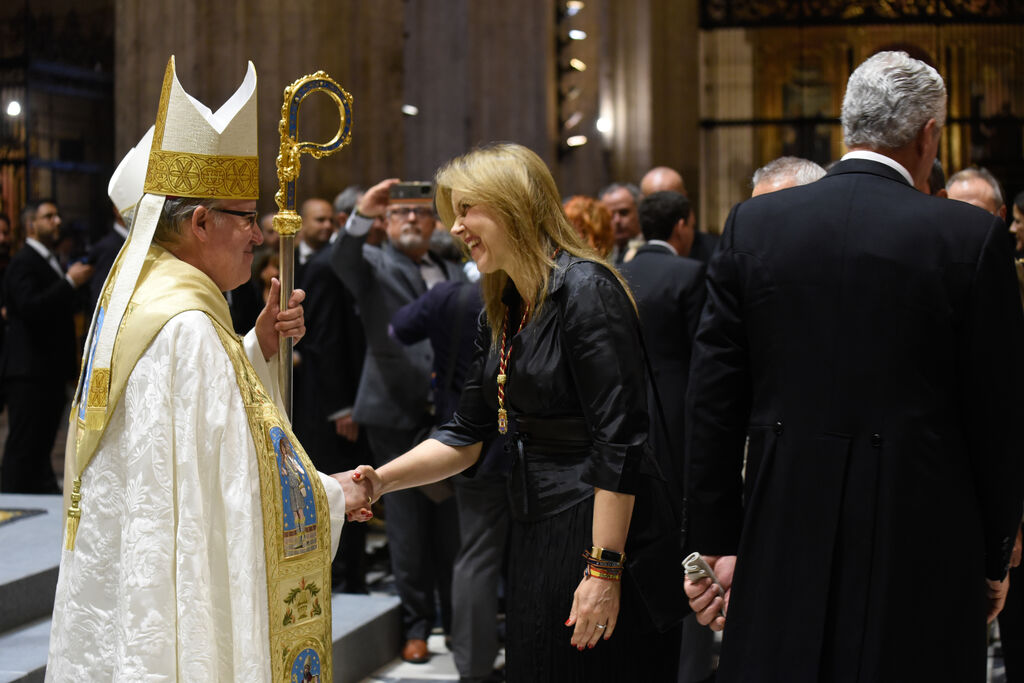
{"x":169,"y":576}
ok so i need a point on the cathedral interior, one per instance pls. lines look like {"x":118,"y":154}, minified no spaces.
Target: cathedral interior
{"x":601,"y":89}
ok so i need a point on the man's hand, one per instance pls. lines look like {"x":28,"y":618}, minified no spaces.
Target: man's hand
{"x":347,"y":427}
{"x":374,"y":201}
{"x":706,"y":600}
{"x":272,"y":321}
{"x":996,"y":594}
{"x":80,"y":273}
{"x":1015,"y":555}
{"x":357,"y":496}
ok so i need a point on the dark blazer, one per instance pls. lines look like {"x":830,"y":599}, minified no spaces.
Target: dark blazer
{"x":867,"y":338}
{"x":102,"y":256}
{"x":332,"y":359}
{"x":395,"y":382}
{"x":40,"y":325}
{"x":669,"y":293}
{"x":703,"y":246}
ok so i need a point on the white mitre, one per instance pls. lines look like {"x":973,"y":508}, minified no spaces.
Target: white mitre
{"x":194,"y":152}
{"x":126,"y":185}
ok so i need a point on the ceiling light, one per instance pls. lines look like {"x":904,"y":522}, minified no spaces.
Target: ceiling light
{"x":576,"y":140}
{"x":578,"y":64}
{"x":573,"y":7}
{"x":410,"y":109}
{"x":13,"y":108}
{"x":573,"y":120}
{"x":577,"y":34}
{"x":604,"y":125}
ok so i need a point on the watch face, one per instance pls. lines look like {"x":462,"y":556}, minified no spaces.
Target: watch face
{"x":602,"y":554}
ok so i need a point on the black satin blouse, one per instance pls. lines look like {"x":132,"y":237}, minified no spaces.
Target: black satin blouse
{"x":576,"y":393}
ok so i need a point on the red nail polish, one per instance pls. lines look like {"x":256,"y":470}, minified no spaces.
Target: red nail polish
{"x":590,"y":647}
{"x":568,"y":620}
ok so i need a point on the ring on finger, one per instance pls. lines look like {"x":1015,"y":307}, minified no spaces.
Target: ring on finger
{"x":601,"y":626}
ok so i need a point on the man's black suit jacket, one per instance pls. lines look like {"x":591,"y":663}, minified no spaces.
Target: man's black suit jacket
{"x":867,"y":338}
{"x":40,"y":305}
{"x":669,"y":293}
{"x":332,"y":354}
{"x":102,"y":256}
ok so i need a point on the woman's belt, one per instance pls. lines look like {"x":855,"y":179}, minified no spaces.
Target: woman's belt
{"x":570,"y":430}
{"x":548,"y":457}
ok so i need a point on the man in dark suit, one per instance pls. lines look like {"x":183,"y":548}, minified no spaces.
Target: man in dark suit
{"x":669,"y":292}
{"x":102,"y":255}
{"x":39,"y":353}
{"x":393,"y":400}
{"x":866,"y":336}
{"x":326,"y":379}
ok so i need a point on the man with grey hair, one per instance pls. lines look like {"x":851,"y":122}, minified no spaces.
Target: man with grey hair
{"x":784,"y":172}
{"x":865,"y":336}
{"x":622,"y":200}
{"x":345,"y":203}
{"x":977,"y":186}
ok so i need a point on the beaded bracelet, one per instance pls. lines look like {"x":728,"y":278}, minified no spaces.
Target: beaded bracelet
{"x":610,"y":570}
{"x":599,"y":573}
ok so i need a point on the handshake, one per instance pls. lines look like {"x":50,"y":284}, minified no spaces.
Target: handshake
{"x":361,"y":487}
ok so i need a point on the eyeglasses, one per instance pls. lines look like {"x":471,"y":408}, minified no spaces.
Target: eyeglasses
{"x":249,"y":216}
{"x":403,"y":211}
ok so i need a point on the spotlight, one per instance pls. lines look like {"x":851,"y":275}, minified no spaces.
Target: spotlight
{"x":578,"y":64}
{"x":410,"y":109}
{"x":604,"y":125}
{"x":13,"y":108}
{"x":577,"y":34}
{"x":576,"y":140}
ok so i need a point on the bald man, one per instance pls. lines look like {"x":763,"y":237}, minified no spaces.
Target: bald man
{"x":662,"y":179}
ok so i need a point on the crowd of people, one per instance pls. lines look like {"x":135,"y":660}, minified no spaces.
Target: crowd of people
{"x":559,"y":396}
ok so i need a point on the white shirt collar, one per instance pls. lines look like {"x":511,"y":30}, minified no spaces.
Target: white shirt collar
{"x":38,"y":246}
{"x":663,"y":243}
{"x":882,"y":159}
{"x":305,"y":252}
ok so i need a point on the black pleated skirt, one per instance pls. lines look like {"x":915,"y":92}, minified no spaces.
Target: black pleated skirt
{"x":545,"y":567}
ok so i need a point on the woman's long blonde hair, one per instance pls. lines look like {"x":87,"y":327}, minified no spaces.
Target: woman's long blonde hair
{"x":517,"y":186}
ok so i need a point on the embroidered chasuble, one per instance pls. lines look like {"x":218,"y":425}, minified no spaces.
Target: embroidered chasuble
{"x":202,"y":551}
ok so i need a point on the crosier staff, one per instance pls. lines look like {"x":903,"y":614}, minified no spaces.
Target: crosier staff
{"x":287,"y":222}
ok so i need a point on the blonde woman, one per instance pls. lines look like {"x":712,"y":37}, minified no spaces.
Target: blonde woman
{"x":558,"y":374}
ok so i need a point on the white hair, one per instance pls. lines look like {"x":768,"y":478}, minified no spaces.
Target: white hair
{"x":888,"y":99}
{"x":801,"y":171}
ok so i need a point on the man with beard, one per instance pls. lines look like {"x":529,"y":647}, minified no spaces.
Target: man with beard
{"x":39,"y":352}
{"x":393,"y":400}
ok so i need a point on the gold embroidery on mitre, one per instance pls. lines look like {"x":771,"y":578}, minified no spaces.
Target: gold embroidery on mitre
{"x":165,"y":97}
{"x":184,"y":174}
